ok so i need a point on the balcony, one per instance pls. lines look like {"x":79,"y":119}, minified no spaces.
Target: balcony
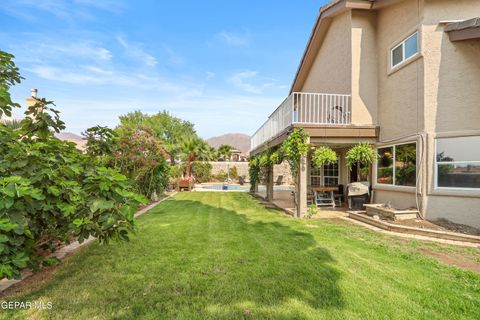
{"x":304,"y":108}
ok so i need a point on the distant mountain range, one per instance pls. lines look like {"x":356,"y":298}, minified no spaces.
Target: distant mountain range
{"x":239,"y":141}
{"x":72,"y":137}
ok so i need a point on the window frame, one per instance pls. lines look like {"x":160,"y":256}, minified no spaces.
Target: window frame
{"x":435,"y":162}
{"x":402,"y":43}
{"x":394,"y":167}
{"x":322,"y":175}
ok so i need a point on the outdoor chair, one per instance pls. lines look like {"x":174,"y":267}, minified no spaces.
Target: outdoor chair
{"x":279,"y":180}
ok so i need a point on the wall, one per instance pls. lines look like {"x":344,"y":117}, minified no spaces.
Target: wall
{"x":452,"y":100}
{"x":242,"y":169}
{"x":331,"y":70}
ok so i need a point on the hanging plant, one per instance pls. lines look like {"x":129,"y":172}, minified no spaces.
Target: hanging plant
{"x":324,"y":155}
{"x":362,"y":153}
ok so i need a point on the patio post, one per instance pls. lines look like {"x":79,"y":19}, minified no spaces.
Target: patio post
{"x":302,"y":187}
{"x":270,"y":184}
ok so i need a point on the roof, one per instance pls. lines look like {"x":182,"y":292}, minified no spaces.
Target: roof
{"x":464,"y":30}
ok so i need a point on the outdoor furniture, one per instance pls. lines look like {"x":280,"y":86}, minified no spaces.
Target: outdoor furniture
{"x":185,"y":184}
{"x":241,"y":180}
{"x":324,"y":196}
{"x":279,"y":180}
{"x":310,"y":197}
{"x":358,"y":194}
{"x":339,"y":195}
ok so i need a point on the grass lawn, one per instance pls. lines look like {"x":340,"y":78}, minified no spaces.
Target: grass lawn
{"x":224,"y":256}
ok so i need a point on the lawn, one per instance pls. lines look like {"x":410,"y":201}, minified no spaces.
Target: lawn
{"x":224,"y":256}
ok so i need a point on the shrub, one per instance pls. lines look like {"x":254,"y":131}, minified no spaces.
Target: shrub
{"x":202,"y":171}
{"x":220,"y":176}
{"x":311,"y":211}
{"x":233,"y":173}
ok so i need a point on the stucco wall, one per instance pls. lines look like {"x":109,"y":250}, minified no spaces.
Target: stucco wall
{"x":331,"y":70}
{"x":242,"y":169}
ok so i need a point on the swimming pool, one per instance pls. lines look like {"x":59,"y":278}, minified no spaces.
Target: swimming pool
{"x":225,"y":187}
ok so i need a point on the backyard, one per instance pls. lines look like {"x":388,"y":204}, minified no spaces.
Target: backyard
{"x":207,"y":255}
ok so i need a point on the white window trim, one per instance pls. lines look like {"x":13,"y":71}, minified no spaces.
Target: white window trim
{"x":393,"y":185}
{"x":436,"y":163}
{"x":402,"y":43}
{"x":322,"y":175}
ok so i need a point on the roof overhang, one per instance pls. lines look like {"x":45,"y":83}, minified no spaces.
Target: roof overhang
{"x":464,"y":30}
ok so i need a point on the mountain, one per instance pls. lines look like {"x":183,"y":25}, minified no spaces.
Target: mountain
{"x":72,"y":137}
{"x":239,"y":141}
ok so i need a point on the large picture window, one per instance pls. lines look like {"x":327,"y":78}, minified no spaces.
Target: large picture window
{"x":397,"y":165}
{"x":458,"y":162}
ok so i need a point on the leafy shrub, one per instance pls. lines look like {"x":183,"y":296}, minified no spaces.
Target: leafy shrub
{"x":311,"y":211}
{"x":202,"y":171}
{"x":253,"y":172}
{"x":233,"y":172}
{"x":220,"y":176}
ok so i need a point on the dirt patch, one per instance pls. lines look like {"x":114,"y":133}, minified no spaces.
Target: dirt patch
{"x":453,"y":259}
{"x":418,"y":223}
{"x":456,"y":227}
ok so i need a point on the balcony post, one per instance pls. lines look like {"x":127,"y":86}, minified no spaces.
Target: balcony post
{"x":302,"y":187}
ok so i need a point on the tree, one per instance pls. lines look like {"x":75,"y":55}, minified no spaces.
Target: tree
{"x":172,"y":131}
{"x":101,"y":141}
{"x":225,"y":151}
{"x":190,"y":149}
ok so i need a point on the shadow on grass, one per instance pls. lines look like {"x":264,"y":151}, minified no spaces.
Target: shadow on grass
{"x":192,"y":260}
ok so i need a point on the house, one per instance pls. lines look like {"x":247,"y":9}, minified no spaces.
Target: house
{"x":403,"y":75}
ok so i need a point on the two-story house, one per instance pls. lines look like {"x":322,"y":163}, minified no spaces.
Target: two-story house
{"x":403,"y":75}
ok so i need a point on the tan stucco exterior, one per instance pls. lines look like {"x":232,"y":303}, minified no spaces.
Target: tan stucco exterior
{"x":436,"y":93}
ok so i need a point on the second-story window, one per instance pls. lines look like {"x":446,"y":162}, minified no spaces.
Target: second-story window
{"x":404,"y":50}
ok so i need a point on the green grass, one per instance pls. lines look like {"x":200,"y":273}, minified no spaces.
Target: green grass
{"x":223,"y":256}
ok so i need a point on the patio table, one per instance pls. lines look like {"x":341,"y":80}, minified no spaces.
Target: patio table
{"x":327,"y":189}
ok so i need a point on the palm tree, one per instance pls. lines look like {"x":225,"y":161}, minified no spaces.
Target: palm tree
{"x":190,"y":149}
{"x":225,"y":151}
{"x":11,"y":123}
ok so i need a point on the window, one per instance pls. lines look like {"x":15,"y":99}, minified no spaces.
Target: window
{"x":327,"y":176}
{"x":458,"y":162}
{"x":405,"y":50}
{"x":397,"y":165}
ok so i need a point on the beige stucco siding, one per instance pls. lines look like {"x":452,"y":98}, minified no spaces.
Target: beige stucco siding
{"x":400,"y":102}
{"x":331,"y":70}
{"x":364,"y":67}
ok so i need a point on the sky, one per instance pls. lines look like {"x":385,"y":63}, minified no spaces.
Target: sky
{"x":223,"y":65}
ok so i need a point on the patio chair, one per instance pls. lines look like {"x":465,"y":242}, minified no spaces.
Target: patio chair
{"x":323,"y":199}
{"x":339,"y":195}
{"x":279,"y":180}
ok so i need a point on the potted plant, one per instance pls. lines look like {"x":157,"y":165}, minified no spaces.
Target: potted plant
{"x":324,"y":155}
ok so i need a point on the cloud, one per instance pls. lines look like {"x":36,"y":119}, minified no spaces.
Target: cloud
{"x":234,"y":39}
{"x":135,"y":50}
{"x":239,"y":80}
{"x":69,"y":10}
{"x":209,"y":75}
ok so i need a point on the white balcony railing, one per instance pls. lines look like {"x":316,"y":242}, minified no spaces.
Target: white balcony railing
{"x":304,"y":108}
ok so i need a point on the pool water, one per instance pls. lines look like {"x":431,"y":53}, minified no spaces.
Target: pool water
{"x":226,"y":187}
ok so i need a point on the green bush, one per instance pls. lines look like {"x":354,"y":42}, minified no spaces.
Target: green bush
{"x":220,"y":176}
{"x":202,"y":171}
{"x":233,"y":172}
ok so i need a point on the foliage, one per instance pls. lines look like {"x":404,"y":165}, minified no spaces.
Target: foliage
{"x":190,"y":150}
{"x":224,"y":151}
{"x":50,"y":192}
{"x":233,"y":172}
{"x":170,"y":130}
{"x":141,"y":157}
{"x":220,"y":176}
{"x":362,"y":153}
{"x":295,"y":147}
{"x":276,"y":157}
{"x":202,"y":171}
{"x":254,"y":172}
{"x":9,"y":76}
{"x":311,"y":211}
{"x":101,"y":141}
{"x":324,"y":155}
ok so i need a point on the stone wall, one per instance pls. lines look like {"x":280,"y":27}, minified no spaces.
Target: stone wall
{"x":242,"y":169}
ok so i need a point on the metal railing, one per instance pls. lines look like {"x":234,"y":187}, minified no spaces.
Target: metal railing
{"x":304,"y":108}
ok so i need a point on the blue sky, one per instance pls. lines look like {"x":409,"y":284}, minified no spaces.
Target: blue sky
{"x":224,"y":65}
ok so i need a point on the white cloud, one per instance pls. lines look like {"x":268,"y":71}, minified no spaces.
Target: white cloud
{"x":135,"y":50}
{"x":234,"y":39}
{"x":240,"y":80}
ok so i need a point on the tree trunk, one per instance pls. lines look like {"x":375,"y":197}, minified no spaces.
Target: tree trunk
{"x":188,"y":167}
